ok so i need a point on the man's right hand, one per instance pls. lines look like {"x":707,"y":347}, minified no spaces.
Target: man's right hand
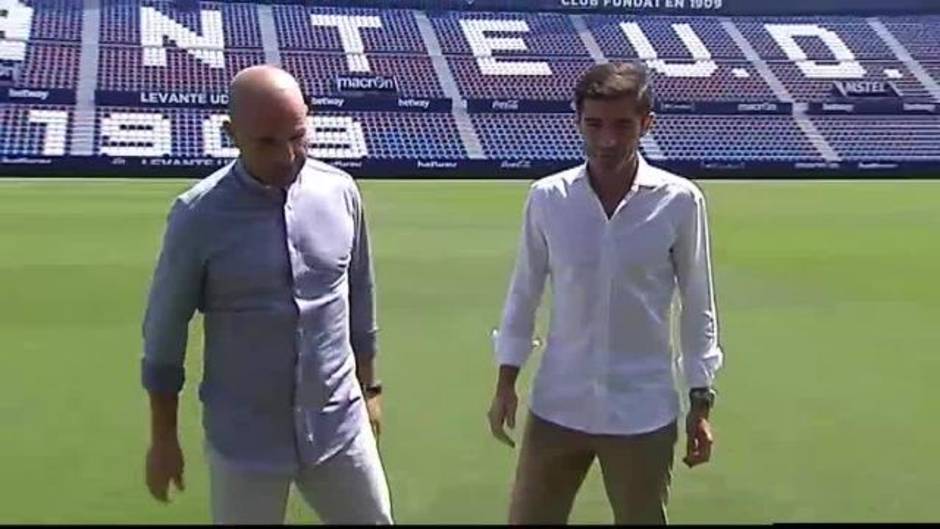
{"x":164,"y":464}
{"x":503,"y":411}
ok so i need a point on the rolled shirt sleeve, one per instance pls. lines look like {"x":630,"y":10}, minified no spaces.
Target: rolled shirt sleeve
{"x":701,"y":354}
{"x":363,"y":329}
{"x":175,"y":293}
{"x":513,"y":342}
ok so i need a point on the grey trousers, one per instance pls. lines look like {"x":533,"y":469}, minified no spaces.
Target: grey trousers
{"x":348,"y":488}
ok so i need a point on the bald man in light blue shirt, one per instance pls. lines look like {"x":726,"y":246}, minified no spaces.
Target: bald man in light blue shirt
{"x":273,"y":249}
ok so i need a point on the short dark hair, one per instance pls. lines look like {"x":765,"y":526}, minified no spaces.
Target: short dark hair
{"x":610,"y":81}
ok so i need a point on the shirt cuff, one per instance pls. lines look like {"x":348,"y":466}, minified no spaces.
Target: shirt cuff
{"x":364,"y":345}
{"x":700,"y":372}
{"x":512,"y":351}
{"x":161,"y":378}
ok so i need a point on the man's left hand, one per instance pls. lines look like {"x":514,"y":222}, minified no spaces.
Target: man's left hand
{"x":699,"y":439}
{"x":374,"y":407}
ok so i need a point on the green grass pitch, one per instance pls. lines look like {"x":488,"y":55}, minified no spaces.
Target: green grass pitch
{"x":829,"y":303}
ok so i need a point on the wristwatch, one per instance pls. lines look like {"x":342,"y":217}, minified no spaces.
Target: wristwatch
{"x":704,"y":397}
{"x":372,"y":390}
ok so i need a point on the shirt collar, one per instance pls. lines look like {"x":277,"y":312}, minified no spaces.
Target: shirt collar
{"x":241,"y":172}
{"x":646,"y":175}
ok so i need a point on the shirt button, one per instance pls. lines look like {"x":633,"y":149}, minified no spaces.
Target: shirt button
{"x":310,"y":437}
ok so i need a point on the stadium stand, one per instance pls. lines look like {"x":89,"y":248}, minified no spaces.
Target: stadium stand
{"x":48,"y":65}
{"x":317,"y":72}
{"x":468,"y":33}
{"x":483,"y":88}
{"x":920,"y":36}
{"x":34,"y":130}
{"x":868,"y":138}
{"x":814,"y":38}
{"x":664,"y":35}
{"x":124,"y":68}
{"x":231,"y":25}
{"x":805,"y":88}
{"x":324,"y":28}
{"x":703,"y":137}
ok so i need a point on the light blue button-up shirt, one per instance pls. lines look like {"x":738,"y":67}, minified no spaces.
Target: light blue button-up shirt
{"x":284,"y":280}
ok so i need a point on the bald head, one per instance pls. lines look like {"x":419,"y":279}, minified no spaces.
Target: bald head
{"x":268,"y":123}
{"x":261,"y":86}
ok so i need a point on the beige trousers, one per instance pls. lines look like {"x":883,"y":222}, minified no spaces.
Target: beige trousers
{"x":553,"y":460}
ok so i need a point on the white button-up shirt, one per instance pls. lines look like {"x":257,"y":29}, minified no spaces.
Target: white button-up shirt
{"x":608,"y":365}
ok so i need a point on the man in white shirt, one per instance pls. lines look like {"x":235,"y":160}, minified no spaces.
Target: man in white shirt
{"x":617,"y":237}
